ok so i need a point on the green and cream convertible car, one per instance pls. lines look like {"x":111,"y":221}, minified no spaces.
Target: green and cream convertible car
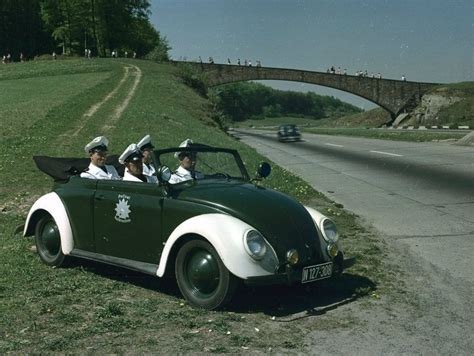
{"x":212,"y":231}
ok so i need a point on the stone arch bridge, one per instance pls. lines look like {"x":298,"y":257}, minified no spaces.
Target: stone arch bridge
{"x":395,"y":96}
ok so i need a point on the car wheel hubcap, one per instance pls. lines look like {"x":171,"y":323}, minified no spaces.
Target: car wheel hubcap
{"x":50,"y":238}
{"x":203,"y":272}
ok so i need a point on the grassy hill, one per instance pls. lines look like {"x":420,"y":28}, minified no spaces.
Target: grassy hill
{"x":44,"y":103}
{"x":462,"y":111}
{"x":55,"y":108}
{"x":371,"y":118}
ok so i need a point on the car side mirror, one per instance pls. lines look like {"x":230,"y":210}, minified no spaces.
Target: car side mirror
{"x":164,"y":174}
{"x":263,"y":170}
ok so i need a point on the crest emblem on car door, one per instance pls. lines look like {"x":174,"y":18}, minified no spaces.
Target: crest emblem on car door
{"x":122,"y":209}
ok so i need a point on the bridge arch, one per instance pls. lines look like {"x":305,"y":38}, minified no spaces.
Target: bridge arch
{"x":395,"y":96}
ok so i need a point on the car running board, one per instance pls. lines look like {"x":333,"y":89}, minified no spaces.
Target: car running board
{"x":144,"y":267}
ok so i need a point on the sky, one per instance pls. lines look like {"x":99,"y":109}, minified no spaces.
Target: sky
{"x":425,"y":40}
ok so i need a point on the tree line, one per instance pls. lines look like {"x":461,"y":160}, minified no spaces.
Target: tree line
{"x":241,"y":101}
{"x":34,"y":27}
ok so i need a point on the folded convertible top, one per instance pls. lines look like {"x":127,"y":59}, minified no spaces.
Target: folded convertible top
{"x":61,"y":168}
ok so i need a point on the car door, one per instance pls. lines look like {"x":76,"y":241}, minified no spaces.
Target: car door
{"x":127,"y":220}
{"x":78,"y":198}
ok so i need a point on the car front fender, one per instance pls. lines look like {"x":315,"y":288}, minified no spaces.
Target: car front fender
{"x":226,"y":234}
{"x":318,"y":219}
{"x":51,"y":203}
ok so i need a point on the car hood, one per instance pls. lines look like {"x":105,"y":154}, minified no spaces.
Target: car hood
{"x":283,"y":221}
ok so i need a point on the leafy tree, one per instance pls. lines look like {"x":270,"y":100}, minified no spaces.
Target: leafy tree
{"x":240,"y":101}
{"x":22,"y":29}
{"x":70,"y":26}
{"x":150,"y":41}
{"x":65,"y":19}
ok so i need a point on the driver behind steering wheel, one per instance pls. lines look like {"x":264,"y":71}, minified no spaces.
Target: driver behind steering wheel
{"x":187,"y":165}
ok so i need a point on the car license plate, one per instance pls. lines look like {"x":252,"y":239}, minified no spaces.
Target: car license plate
{"x":313,"y":273}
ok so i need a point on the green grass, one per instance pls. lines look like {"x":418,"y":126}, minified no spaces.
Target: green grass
{"x":462,"y":112}
{"x":275,"y":121}
{"x":99,"y":309}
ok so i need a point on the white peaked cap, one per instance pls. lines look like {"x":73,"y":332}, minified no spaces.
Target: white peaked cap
{"x":98,"y":141}
{"x":144,"y":141}
{"x":186,"y":143}
{"x":132,"y":149}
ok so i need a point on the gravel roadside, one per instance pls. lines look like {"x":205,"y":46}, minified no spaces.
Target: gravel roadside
{"x":429,"y":316}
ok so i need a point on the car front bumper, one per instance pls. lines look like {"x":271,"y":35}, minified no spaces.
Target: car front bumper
{"x":289,"y":138}
{"x":294,"y":275}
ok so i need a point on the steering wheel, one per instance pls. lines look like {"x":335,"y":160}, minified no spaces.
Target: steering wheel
{"x":220,"y":175}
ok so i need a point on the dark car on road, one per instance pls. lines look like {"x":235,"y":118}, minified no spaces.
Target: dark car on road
{"x":288,"y":133}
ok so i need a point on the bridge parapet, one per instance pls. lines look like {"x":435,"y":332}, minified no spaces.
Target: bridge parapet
{"x":395,"y":96}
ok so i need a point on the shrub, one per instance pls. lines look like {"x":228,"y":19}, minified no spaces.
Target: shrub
{"x":193,"y":78}
{"x":159,"y":53}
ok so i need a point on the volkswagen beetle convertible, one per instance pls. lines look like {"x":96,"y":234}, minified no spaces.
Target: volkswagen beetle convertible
{"x":211,"y":232}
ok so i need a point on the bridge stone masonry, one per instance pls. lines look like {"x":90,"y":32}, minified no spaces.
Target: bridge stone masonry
{"x":395,"y":96}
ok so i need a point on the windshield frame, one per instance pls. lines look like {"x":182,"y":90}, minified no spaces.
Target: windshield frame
{"x":203,"y":148}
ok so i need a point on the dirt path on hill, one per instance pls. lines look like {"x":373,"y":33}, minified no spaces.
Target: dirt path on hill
{"x":129,"y":70}
{"x":120,"y":109}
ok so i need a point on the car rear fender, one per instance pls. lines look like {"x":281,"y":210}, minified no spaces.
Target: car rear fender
{"x":225,"y":233}
{"x":53,"y":205}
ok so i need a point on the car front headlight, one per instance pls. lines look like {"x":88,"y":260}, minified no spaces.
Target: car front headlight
{"x":329,"y":231}
{"x":255,"y":244}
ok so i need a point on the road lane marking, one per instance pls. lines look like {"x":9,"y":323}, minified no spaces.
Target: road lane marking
{"x":332,"y":144}
{"x":387,"y":153}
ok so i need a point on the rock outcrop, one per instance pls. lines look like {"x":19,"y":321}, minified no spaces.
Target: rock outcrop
{"x":428,"y":111}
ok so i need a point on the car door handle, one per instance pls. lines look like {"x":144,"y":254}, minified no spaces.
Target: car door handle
{"x":99,"y":197}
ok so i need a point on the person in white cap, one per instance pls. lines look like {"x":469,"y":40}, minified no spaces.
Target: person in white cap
{"x":97,"y":169}
{"x":132,"y":159}
{"x":186,"y":169}
{"x":146,"y":148}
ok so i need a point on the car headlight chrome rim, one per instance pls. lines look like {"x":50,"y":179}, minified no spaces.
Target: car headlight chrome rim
{"x":333,"y":250}
{"x":292,"y":256}
{"x":329,"y":230}
{"x":255,"y":245}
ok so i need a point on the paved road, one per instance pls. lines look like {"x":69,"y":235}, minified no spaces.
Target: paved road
{"x":420,"y":196}
{"x":419,"y":193}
